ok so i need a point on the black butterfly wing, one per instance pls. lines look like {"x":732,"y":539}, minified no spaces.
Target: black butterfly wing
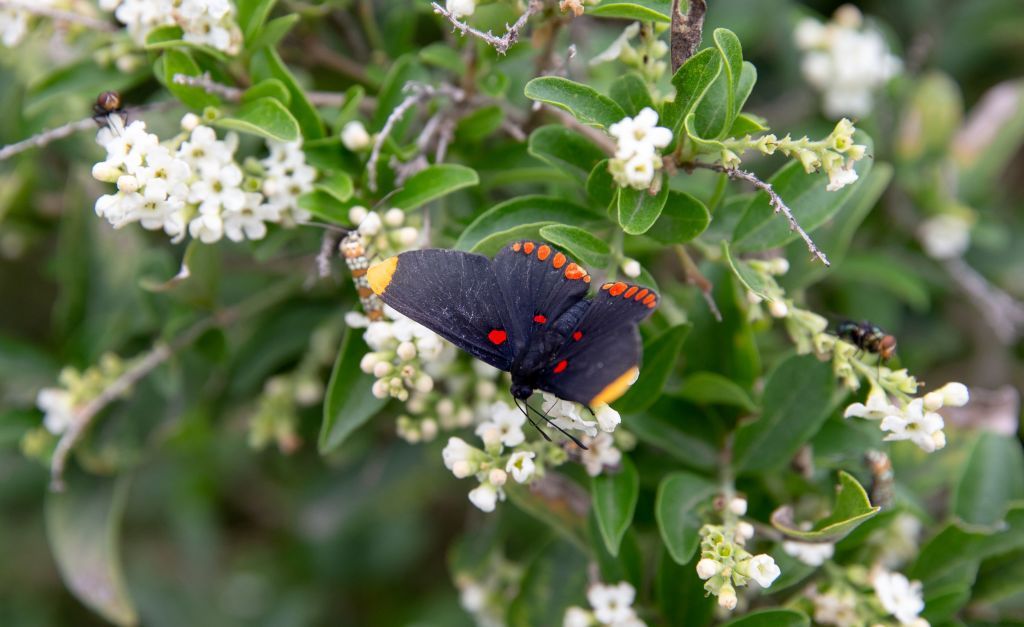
{"x":453,"y":293}
{"x":601,"y":358}
{"x":539,"y":284}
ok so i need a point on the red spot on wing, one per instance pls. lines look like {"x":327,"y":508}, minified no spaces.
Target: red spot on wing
{"x":540,"y":319}
{"x":574,"y":272}
{"x":562,"y":365}
{"x":629,"y":293}
{"x":517,"y":246}
{"x":607,"y":286}
{"x":543,"y":252}
{"x":650,"y":300}
{"x":497,"y":336}
{"x":558,"y":261}
{"x":577,"y":335}
{"x":528,"y":248}
{"x":640,"y":295}
{"x":617,"y":288}
{"x":586,"y":279}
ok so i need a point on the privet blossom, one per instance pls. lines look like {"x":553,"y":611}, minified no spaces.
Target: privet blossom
{"x":916,"y":419}
{"x":637,"y":155}
{"x":845,"y":61}
{"x":611,"y":605}
{"x":207,"y":22}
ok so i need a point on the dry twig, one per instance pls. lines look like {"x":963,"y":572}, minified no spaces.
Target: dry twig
{"x":500,"y":44}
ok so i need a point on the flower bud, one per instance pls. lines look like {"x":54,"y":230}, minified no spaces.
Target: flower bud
{"x":428,"y":427}
{"x":381,"y":369}
{"x":738,"y":505}
{"x":380,"y":388}
{"x":354,"y":136}
{"x":368,"y":362}
{"x":189,"y":122}
{"x":357,"y":214}
{"x":371,"y":225}
{"x":105,"y":172}
{"x":778,"y":309}
{"x":127,"y":183}
{"x":407,"y":235}
{"x":727,"y":597}
{"x":779,"y":265}
{"x":631,"y":268}
{"x":744,"y":531}
{"x":406,"y":351}
{"x":497,"y":477}
{"x":462,"y":469}
{"x":933,"y":400}
{"x":424,"y":383}
{"x":394,"y":217}
{"x":955,"y":394}
{"x":708,"y":568}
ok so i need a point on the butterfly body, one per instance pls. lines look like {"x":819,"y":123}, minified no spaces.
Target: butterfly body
{"x":527,"y":313}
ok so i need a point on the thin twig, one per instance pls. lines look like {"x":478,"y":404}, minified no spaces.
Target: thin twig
{"x":45,"y":137}
{"x":500,"y":44}
{"x":59,"y":15}
{"x":695,"y":277}
{"x":83,"y":417}
{"x":773,"y":198}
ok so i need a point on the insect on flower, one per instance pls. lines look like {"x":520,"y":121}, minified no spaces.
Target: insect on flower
{"x":108,"y":103}
{"x":868,"y":337}
{"x":526,"y":313}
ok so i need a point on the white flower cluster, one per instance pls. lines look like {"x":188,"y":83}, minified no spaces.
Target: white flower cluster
{"x":900,"y":597}
{"x":845,"y":61}
{"x":196,"y":186}
{"x":612,"y":605}
{"x":725,"y":565}
{"x":207,"y":22}
{"x":915,"y":420}
{"x":636,"y":157}
{"x":399,"y":348}
{"x":14,"y":22}
{"x":837,"y":606}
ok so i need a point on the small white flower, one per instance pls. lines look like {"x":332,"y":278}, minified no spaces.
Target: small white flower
{"x":505,"y":426}
{"x":456,"y":451}
{"x":600,"y":453}
{"x":738,"y":506}
{"x":460,"y":8}
{"x":484,"y":497}
{"x":407,"y":236}
{"x":394,"y":217}
{"x":900,"y":597}
{"x":839,"y":178}
{"x":809,"y":33}
{"x":727,"y":597}
{"x":837,"y":608}
{"x":945,"y":236}
{"x":567,"y":415}
{"x":370,"y":225}
{"x":877,"y":408}
{"x":607,"y":418}
{"x":56,"y":404}
{"x":614,"y":51}
{"x":631,"y":268}
{"x":354,"y":136}
{"x":778,"y":309}
{"x":810,"y":553}
{"x":744,"y":532}
{"x":708,"y":568}
{"x":497,"y":477}
{"x":577,"y":617}
{"x":521,"y":466}
{"x":763,"y":569}
{"x":357,"y":214}
{"x":206,"y":227}
{"x":922,"y":428}
{"x":955,"y":394}
{"x":612,"y":604}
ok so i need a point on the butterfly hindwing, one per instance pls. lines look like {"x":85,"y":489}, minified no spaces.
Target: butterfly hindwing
{"x":539,"y":284}
{"x":601,"y":356}
{"x":453,"y":293}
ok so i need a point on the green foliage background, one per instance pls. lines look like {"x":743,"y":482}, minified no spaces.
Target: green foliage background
{"x":366,"y":533}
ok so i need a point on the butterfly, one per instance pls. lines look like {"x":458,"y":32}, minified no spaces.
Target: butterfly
{"x":527,"y":313}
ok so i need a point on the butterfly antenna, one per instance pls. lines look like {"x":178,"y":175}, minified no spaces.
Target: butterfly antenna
{"x":535,"y":425}
{"x":560,"y":429}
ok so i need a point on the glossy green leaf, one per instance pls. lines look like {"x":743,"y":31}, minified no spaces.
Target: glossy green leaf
{"x":562,"y":509}
{"x":181,"y":62}
{"x":753,"y":281}
{"x":348,"y":401}
{"x":682,"y":219}
{"x":660,"y":357}
{"x":747,"y":124}
{"x":771,"y":618}
{"x":601,"y":187}
{"x":960,"y":545}
{"x":677,"y":508}
{"x":727,"y":346}
{"x":556,"y":579}
{"x":523,"y":210}
{"x":631,"y":93}
{"x":639,"y":209}
{"x":565,"y":149}
{"x":480,"y":123}
{"x":680,"y":593}
{"x":432,"y":183}
{"x":583,"y":102}
{"x":83,"y":526}
{"x":641,"y":10}
{"x":852,"y":508}
{"x":711,"y":388}
{"x":692,"y":81}
{"x":991,"y":479}
{"x":266,"y":63}
{"x":679,"y":429}
{"x":443,"y":56}
{"x":252,"y":14}
{"x":338,"y":184}
{"x":269,"y":88}
{"x":761,"y":228}
{"x":274,"y":31}
{"x":796,"y":403}
{"x":265,"y":117}
{"x":583,"y":246}
{"x":627,"y":565}
{"x":325,"y":206}
{"x":615,"y":494}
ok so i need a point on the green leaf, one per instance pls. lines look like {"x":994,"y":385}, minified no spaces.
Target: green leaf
{"x":682,"y":219}
{"x":959,"y":545}
{"x":601,"y":187}
{"x":852,"y":508}
{"x":583,"y":102}
{"x":83,"y":526}
{"x":680,"y":593}
{"x":889,"y":273}
{"x":565,"y":149}
{"x":761,"y":228}
{"x":181,"y":62}
{"x":627,"y":565}
{"x":252,"y":14}
{"x":692,"y":81}
{"x":630,"y":92}
{"x":325,"y":206}
{"x":523,"y":210}
{"x":711,"y":388}
{"x":677,"y":428}
{"x":337,"y":184}
{"x":744,"y":86}
{"x":639,"y":209}
{"x":580,"y":244}
{"x":796,"y":403}
{"x":615,"y":495}
{"x":714,"y":114}
{"x":480,"y":123}
{"x":266,"y":64}
{"x":443,"y":56}
{"x":274,"y":31}
{"x":728,"y":346}
{"x":432,"y":183}
{"x":348,"y":402}
{"x":677,"y":510}
{"x":266,"y":118}
{"x":269,"y":88}
{"x":747,"y":124}
{"x":771,"y":618}
{"x":558,"y":509}
{"x":641,"y":10}
{"x":753,"y":281}
{"x":556,"y":579}
{"x":659,"y":360}
{"x":991,"y":479}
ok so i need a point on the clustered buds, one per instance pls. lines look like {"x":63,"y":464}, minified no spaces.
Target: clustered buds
{"x":637,"y":155}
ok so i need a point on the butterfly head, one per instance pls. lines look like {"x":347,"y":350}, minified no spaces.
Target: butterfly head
{"x":521,"y":390}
